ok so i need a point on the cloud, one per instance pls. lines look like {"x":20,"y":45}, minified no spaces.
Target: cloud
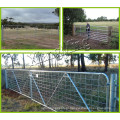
{"x":31,"y":15}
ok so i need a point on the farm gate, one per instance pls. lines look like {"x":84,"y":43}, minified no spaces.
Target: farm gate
{"x":65,"y":91}
{"x":24,"y":32}
{"x":98,"y":33}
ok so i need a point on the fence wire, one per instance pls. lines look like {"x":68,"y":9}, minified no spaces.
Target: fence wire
{"x":62,"y":91}
{"x":83,"y":39}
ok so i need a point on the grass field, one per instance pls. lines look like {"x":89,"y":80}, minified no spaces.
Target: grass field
{"x":30,"y":38}
{"x":114,"y":24}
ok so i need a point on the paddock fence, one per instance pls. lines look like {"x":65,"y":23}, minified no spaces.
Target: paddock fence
{"x":98,"y":33}
{"x":65,"y":91}
{"x":24,"y":32}
{"x":82,"y":38}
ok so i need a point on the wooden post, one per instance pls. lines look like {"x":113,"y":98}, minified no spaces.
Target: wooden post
{"x":73,"y":30}
{"x":109,"y":32}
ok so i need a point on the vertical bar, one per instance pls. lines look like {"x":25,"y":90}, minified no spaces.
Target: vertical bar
{"x":58,"y":30}
{"x":30,"y":85}
{"x":107,"y":96}
{"x":16,"y":82}
{"x":115,"y":94}
{"x":37,"y":88}
{"x":80,"y":29}
{"x":112,"y":92}
{"x":6,"y":82}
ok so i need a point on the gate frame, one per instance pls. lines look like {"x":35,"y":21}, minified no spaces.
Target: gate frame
{"x":111,"y":87}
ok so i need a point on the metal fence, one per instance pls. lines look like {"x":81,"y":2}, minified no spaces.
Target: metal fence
{"x":99,"y":33}
{"x":65,"y":91}
{"x":83,"y":39}
{"x":22,"y":32}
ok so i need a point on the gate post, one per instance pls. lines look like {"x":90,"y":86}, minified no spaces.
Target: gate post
{"x":30,"y":84}
{"x":6,"y":82}
{"x":113,"y":80}
{"x":109,"y":33}
{"x":58,"y":30}
{"x":73,"y":30}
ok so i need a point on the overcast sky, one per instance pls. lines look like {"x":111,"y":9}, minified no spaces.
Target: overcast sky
{"x":110,"y":13}
{"x":31,"y":15}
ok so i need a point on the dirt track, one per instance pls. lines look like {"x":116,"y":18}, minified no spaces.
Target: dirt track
{"x":80,"y":42}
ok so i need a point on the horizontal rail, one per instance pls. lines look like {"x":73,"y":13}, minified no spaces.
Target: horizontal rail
{"x":94,"y":73}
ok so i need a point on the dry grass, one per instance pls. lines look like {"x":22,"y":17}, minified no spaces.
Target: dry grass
{"x":30,"y":38}
{"x":14,"y":102}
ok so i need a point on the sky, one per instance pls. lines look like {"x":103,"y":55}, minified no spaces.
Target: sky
{"x":110,"y":13}
{"x":31,"y":15}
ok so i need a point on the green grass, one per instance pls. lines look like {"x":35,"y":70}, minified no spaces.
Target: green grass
{"x":114,"y":24}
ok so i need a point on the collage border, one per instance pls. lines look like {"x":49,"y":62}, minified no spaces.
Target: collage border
{"x":58,"y":51}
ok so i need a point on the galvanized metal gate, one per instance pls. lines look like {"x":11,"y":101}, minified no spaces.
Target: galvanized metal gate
{"x":61,"y":90}
{"x":98,"y":33}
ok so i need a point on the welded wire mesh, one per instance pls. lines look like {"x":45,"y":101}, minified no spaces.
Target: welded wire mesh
{"x":98,"y":33}
{"x":61,"y":91}
{"x":81,"y":38}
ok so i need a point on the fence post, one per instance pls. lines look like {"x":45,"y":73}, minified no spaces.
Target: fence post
{"x":73,"y":30}
{"x":109,"y":32}
{"x":30,"y":85}
{"x":80,"y":29}
{"x":6,"y":82}
{"x":2,"y":32}
{"x":113,"y":79}
{"x":58,"y":30}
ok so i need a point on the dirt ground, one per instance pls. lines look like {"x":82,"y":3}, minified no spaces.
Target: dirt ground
{"x":79,"y":42}
{"x":14,"y":102}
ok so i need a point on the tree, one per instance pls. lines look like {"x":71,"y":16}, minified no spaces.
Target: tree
{"x":78,"y":63}
{"x":106,"y":58}
{"x":102,"y":18}
{"x":23,"y":62}
{"x":95,"y":57}
{"x":40,"y":59}
{"x":13,"y":58}
{"x":56,"y":12}
{"x":57,"y":58}
{"x":49,"y":60}
{"x":106,"y":62}
{"x":117,"y":19}
{"x":83,"y":68}
{"x":73,"y":58}
{"x":11,"y":19}
{"x":71,"y":15}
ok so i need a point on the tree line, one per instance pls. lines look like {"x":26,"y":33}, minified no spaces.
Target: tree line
{"x":71,"y":58}
{"x":71,"y":15}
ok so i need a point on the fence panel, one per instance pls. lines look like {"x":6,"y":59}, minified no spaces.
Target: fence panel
{"x":99,"y":33}
{"x":62,"y":91}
